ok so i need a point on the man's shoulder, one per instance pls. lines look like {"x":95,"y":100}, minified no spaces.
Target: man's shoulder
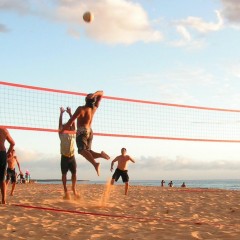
{"x":3,"y":131}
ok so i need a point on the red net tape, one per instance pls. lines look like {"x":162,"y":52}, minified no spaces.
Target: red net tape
{"x":34,"y":108}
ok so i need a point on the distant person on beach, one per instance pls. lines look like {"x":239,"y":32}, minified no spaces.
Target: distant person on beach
{"x":68,"y":161}
{"x":121,"y":169}
{"x":84,"y":115}
{"x":11,"y":172}
{"x":21,"y":177}
{"x":162,"y":183}
{"x":4,"y":135}
{"x":27,"y":177}
{"x":170,"y":184}
{"x":183,"y":184}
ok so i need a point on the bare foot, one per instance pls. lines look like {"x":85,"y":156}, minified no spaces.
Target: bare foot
{"x":97,"y":167}
{"x":104,"y":155}
{"x":3,"y":202}
{"x":11,"y":194}
{"x":76,"y":196}
{"x":66,"y":196}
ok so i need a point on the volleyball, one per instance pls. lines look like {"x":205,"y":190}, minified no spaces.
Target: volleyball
{"x":88,"y":17}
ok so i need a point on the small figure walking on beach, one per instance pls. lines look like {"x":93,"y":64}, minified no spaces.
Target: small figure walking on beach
{"x":68,"y":161}
{"x":84,"y":115}
{"x":162,"y":183}
{"x":11,"y":173}
{"x":121,"y":169}
{"x":4,"y":135}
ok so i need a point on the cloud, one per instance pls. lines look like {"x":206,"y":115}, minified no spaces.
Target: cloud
{"x":3,"y":28}
{"x":20,"y":6}
{"x":115,"y":22}
{"x":184,"y":163}
{"x":231,"y":9}
{"x":186,"y":40}
{"x":187,"y":29}
{"x":202,"y":26}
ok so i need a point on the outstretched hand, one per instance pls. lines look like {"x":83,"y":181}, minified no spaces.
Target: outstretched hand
{"x":62,"y":110}
{"x":69,"y":110}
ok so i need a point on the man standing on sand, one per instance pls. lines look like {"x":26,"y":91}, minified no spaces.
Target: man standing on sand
{"x":121,"y":169}
{"x":11,"y":173}
{"x":162,"y":183}
{"x":4,"y":135}
{"x":68,"y":161}
{"x":84,"y":115}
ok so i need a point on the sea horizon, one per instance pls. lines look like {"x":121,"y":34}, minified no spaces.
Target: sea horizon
{"x":228,"y":184}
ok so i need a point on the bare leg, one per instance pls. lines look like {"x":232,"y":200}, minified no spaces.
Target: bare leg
{"x":74,"y":180}
{"x":64,"y":181}
{"x":88,"y":155}
{"x":126,"y":188}
{"x":13,"y":187}
{"x":6,"y":183}
{"x":100,"y":155}
{"x":112,"y":181}
{"x":3,"y":191}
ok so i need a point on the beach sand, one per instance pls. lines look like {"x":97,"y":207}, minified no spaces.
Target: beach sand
{"x":38,"y":211}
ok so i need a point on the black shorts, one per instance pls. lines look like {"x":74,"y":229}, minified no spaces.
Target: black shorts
{"x":3,"y":165}
{"x":84,"y":139}
{"x":123,"y":174}
{"x":68,"y":163}
{"x":11,"y":174}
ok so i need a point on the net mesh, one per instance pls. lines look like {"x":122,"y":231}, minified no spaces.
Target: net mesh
{"x":35,"y":108}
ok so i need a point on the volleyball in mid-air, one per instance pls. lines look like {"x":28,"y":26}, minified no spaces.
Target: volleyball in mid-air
{"x":88,"y":17}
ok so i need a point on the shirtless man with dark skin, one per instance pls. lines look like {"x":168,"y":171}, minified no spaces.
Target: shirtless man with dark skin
{"x":4,"y":135}
{"x":11,"y":173}
{"x":84,"y":135}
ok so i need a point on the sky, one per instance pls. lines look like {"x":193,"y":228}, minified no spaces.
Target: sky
{"x":181,"y":52}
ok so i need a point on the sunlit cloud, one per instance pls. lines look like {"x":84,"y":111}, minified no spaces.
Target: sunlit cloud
{"x":202,"y":26}
{"x":189,"y":27}
{"x":115,"y":22}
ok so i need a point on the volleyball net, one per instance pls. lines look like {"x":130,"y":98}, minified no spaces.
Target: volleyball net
{"x":35,"y":108}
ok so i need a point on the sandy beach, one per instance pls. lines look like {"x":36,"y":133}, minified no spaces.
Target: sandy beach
{"x":38,"y":211}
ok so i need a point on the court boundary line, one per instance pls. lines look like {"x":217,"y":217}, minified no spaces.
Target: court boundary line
{"x":146,"y":219}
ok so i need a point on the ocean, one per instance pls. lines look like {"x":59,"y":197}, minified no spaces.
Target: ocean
{"x":233,"y":184}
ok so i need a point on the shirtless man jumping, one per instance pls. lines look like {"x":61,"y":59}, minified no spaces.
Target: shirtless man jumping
{"x":11,"y":173}
{"x":4,"y":135}
{"x":84,"y":136}
{"x":121,"y":169}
